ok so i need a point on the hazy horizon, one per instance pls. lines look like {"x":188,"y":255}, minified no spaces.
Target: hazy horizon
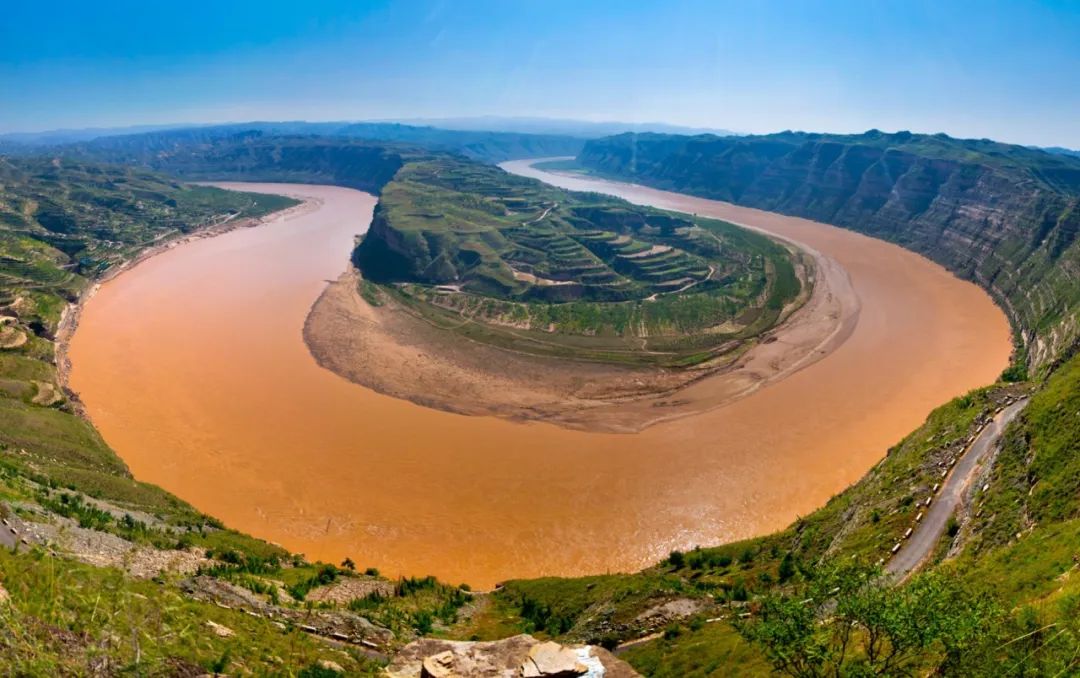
{"x":1009,"y":72}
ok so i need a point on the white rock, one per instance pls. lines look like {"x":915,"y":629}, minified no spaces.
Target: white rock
{"x":220,"y":630}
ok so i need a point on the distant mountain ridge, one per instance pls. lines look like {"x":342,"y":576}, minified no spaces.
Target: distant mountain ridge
{"x":550,"y":127}
{"x":1062,"y":151}
{"x":492,"y":147}
{"x":1002,"y":215}
{"x":587,"y":129}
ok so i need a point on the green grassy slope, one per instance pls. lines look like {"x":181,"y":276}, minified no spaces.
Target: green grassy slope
{"x":582,"y":275}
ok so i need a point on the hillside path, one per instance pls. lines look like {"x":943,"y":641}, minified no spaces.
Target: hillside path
{"x":925,"y":537}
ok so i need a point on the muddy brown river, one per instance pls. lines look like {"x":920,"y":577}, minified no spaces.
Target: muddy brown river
{"x":193,"y":367}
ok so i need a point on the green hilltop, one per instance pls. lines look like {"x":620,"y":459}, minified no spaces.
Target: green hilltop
{"x":537,"y":265}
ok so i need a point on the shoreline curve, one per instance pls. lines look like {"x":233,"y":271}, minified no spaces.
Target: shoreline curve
{"x":194,"y":370}
{"x":394,"y":352}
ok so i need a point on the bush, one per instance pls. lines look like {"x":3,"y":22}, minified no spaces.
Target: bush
{"x":1014,"y":373}
{"x":952,"y":528}
{"x":677,"y":559}
{"x":787,"y":568}
{"x":423,"y":622}
{"x":407,"y":586}
{"x":739,"y":592}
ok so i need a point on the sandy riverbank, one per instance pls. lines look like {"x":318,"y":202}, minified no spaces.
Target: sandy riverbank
{"x":394,"y":352}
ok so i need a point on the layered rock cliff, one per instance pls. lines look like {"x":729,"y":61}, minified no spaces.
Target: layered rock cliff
{"x":1004,"y":216}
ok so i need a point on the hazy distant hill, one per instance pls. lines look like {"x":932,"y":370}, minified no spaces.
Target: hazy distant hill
{"x":578,"y":128}
{"x":130,"y":144}
{"x":68,"y":136}
{"x":481,"y":144}
{"x":1005,"y":216}
{"x":1062,"y":151}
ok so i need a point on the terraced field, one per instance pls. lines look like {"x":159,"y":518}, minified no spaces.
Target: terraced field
{"x":511,"y":261}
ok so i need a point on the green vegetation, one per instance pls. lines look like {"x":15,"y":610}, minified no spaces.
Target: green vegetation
{"x":844,"y":621}
{"x":930,"y":193}
{"x":64,"y":618}
{"x":63,"y":223}
{"x":1000,"y":597}
{"x":517,"y":263}
{"x":417,"y":604}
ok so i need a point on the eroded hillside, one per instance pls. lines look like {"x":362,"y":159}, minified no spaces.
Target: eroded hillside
{"x":1004,"y":216}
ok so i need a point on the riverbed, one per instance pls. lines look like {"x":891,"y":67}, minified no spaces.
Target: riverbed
{"x":193,"y":367}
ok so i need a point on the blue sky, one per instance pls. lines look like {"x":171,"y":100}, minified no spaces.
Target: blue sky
{"x":1005,"y":70}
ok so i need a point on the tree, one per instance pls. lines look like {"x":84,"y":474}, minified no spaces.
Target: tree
{"x":787,"y":568}
{"x":851,"y":621}
{"x":348,"y":564}
{"x":677,"y":559}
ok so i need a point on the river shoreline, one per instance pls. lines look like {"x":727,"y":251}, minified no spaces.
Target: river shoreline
{"x":195,"y":371}
{"x":394,"y":352}
{"x":69,"y":318}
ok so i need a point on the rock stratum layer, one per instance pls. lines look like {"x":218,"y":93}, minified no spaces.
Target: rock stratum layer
{"x":1003,"y":216}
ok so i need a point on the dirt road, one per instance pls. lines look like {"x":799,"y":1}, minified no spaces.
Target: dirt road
{"x":923,"y":540}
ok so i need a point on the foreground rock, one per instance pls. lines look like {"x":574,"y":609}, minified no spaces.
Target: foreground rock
{"x":517,"y":657}
{"x":339,"y":625}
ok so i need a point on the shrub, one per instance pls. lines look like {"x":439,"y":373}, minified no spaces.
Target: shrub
{"x":787,"y":568}
{"x":677,"y":559}
{"x":407,"y":586}
{"x":739,"y":592}
{"x":423,"y":622}
{"x":952,"y":528}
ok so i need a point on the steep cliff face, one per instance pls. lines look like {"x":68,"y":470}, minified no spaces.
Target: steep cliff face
{"x":1004,"y":216}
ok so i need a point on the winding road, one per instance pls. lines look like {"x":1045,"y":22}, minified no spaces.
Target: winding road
{"x":925,"y":537}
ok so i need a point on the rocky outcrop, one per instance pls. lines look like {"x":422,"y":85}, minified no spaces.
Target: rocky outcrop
{"x":340,"y":625}
{"x":1006,"y":217}
{"x":517,"y":657}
